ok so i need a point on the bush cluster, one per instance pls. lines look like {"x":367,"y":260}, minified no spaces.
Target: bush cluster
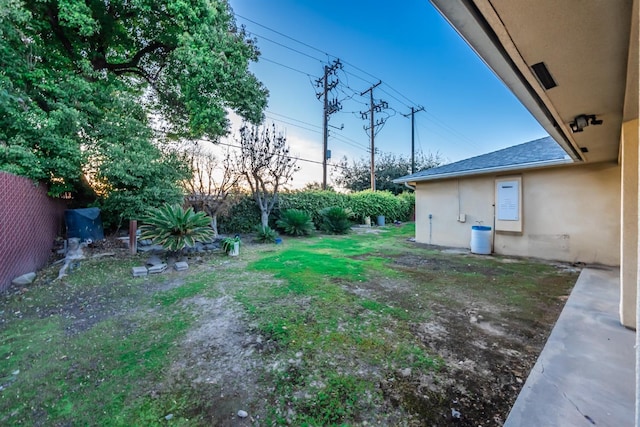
{"x":244,"y":216}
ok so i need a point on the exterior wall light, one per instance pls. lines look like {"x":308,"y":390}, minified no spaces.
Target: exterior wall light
{"x":582,"y":121}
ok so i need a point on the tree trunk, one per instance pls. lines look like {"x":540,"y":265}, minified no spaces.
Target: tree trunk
{"x":214,"y":225}
{"x":264,"y":218}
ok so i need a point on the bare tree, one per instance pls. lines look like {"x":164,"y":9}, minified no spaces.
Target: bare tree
{"x":211,"y":187}
{"x":265,"y":164}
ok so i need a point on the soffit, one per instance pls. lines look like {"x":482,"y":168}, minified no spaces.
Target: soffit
{"x":585,"y":46}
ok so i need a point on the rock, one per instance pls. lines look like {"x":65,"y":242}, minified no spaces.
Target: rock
{"x":181,"y":266}
{"x":154,"y":260}
{"x":473,"y":319}
{"x":139,"y":271}
{"x":156,"y":269}
{"x":242,"y":414}
{"x":406,"y":372}
{"x":25,"y":279}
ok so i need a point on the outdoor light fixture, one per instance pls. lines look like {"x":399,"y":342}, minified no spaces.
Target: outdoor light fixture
{"x":582,"y":121}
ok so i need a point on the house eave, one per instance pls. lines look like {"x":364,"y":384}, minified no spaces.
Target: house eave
{"x":465,"y":18}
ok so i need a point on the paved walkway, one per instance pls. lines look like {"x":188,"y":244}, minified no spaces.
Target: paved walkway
{"x":585,"y":374}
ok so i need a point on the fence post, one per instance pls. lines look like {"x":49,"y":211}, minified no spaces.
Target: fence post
{"x":133,"y":238}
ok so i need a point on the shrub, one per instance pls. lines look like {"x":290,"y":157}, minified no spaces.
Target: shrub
{"x":266,"y":234}
{"x":375,"y":203}
{"x":295,"y":222}
{"x":175,"y":228}
{"x":312,"y":202}
{"x":242,"y":217}
{"x":335,"y":220}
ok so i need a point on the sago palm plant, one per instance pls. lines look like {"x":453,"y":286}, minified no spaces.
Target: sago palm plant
{"x":175,"y":228}
{"x":295,"y":222}
{"x":335,"y":220}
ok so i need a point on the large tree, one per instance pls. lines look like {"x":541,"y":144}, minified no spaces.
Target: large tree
{"x":356,"y":176}
{"x":212,"y":186}
{"x":81,"y":80}
{"x":265,"y":164}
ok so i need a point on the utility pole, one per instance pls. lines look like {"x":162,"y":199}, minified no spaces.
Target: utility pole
{"x":329,"y":108}
{"x":413,"y":145}
{"x":373,"y":108}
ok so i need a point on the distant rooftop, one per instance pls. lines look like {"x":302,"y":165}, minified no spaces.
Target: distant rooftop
{"x":538,"y":153}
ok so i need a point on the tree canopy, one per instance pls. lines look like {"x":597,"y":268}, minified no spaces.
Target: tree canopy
{"x":357,"y":175}
{"x":265,"y":164}
{"x":82,"y":83}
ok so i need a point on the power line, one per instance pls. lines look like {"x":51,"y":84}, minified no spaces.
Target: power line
{"x":282,"y":34}
{"x":286,"y":47}
{"x":226,"y":144}
{"x":436,"y":120}
{"x":291,"y":118}
{"x":286,"y":66}
{"x":293,"y":124}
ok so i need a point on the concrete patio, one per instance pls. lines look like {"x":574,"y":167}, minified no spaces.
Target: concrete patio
{"x":585,"y":374}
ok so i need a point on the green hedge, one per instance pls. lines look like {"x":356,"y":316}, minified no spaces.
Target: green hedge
{"x":245,"y":215}
{"x":375,"y":203}
{"x":312,"y":202}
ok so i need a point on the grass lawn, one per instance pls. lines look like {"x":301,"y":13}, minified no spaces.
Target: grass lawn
{"x":361,"y":329}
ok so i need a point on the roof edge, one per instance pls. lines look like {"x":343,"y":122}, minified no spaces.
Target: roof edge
{"x":484,"y":171}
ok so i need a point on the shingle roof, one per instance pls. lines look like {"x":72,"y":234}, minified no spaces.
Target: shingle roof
{"x":540,"y":152}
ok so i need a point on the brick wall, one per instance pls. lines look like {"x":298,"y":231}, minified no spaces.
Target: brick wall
{"x":29,"y":223}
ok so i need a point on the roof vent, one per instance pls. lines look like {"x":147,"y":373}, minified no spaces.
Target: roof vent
{"x":584,"y":149}
{"x":544,"y":76}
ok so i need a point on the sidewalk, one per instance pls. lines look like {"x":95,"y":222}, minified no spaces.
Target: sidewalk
{"x":585,"y":374}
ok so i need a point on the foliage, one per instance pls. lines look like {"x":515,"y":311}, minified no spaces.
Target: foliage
{"x":79,"y":81}
{"x":265,"y":164}
{"x":176,"y":228}
{"x":375,"y":203}
{"x":241,"y":217}
{"x":295,"y":222}
{"x":312,"y":202}
{"x":335,"y":220}
{"x":388,"y":166}
{"x":211,"y":187}
{"x":228,"y":243}
{"x":135,"y":176}
{"x":265,"y":234}
{"x":409,"y":198}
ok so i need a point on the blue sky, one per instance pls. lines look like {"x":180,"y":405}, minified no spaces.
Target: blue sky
{"x":420,"y":60}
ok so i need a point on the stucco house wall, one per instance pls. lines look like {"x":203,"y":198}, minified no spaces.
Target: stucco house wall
{"x":569,"y":213}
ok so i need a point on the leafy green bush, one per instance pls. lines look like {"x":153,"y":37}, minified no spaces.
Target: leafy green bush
{"x":242,"y":217}
{"x":175,"y":228}
{"x":374,"y":203}
{"x":266,"y":234}
{"x":335,"y":220}
{"x":245,"y":214}
{"x":409,"y":197}
{"x":313,"y":202}
{"x":295,"y":222}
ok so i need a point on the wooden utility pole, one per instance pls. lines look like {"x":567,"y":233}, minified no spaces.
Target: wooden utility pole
{"x":413,"y":145}
{"x":328,"y":109}
{"x":373,"y":107}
